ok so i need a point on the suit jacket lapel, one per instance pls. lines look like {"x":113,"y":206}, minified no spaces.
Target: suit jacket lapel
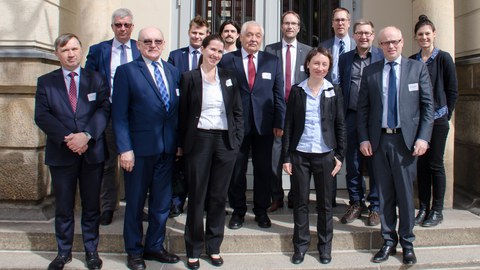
{"x":135,"y":51}
{"x":59,"y":84}
{"x":185,"y":56}
{"x":83,"y":91}
{"x":146,"y":73}
{"x":226,"y":94}
{"x":107,"y":57}
{"x":238,"y":63}
{"x":172,"y":91}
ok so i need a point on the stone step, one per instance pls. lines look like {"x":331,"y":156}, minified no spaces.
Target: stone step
{"x":452,"y":257}
{"x":459,"y":228}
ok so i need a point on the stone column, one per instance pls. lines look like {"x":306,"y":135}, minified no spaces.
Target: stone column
{"x":441,"y":13}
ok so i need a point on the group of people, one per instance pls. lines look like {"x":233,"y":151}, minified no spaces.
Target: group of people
{"x":222,"y":100}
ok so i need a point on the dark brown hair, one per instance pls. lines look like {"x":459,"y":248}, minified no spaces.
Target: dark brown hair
{"x":63,"y":39}
{"x":315,"y":51}
{"x":423,"y":20}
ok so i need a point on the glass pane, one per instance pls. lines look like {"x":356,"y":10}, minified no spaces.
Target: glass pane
{"x":218,"y":11}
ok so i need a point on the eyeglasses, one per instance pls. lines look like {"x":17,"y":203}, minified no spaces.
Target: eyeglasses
{"x":126,"y":25}
{"x":149,"y":42}
{"x":290,"y":23}
{"x":367,"y":34}
{"x":390,"y":42}
{"x":338,"y":20}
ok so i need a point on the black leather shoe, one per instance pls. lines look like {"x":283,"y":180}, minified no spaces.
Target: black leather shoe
{"x":421,"y":215}
{"x":275,"y":206}
{"x":433,"y":219}
{"x":409,"y":256}
{"x":298,"y":257}
{"x":263,"y":221}
{"x":216,"y":261}
{"x":106,"y":218}
{"x":93,"y":261}
{"x":135,"y":262}
{"x":175,"y":211}
{"x":193,"y":265}
{"x":161,"y":256}
{"x":236,"y":222}
{"x":325,"y":260}
{"x":383,"y":253}
{"x":59,"y":262}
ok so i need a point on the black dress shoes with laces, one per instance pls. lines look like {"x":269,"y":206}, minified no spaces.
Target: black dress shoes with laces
{"x":433,"y":219}
{"x":263,"y":221}
{"x":161,"y":256}
{"x":135,"y":262}
{"x":298,"y":257}
{"x":236,"y":222}
{"x":421,"y":215}
{"x":93,"y":261}
{"x":383,"y":254}
{"x":59,"y":262}
{"x":193,"y":265}
{"x":409,"y":256}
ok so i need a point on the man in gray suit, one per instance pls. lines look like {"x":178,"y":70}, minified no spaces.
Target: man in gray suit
{"x":292,"y":55}
{"x":394,"y":128}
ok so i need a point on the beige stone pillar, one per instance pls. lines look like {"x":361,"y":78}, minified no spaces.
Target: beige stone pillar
{"x":441,"y":13}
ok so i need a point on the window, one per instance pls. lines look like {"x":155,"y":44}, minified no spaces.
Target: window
{"x":218,"y":11}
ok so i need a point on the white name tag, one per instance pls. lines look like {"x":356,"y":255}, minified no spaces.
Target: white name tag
{"x":302,"y":69}
{"x":267,"y":75}
{"x":178,"y":92}
{"x":92,"y":96}
{"x":413,"y":87}
{"x":228,"y":83}
{"x":330,"y":93}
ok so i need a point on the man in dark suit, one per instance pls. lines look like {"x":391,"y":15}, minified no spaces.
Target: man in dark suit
{"x":145,"y":119}
{"x":394,"y":128}
{"x":185,"y":59}
{"x":105,"y":57}
{"x":292,"y":57}
{"x":340,"y":43}
{"x":72,"y":108}
{"x":261,"y":88}
{"x":350,"y":67}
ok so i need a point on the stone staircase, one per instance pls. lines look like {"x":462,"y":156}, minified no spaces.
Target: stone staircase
{"x":455,"y":244}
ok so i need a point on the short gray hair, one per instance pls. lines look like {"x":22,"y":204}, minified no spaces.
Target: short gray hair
{"x":251,"y":23}
{"x":122,"y":13}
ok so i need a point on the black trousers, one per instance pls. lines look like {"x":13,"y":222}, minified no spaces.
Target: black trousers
{"x":209,"y":169}
{"x":277,"y":163}
{"x":110,"y":182}
{"x":431,"y":168}
{"x":304,"y":165}
{"x":64,"y":181}
{"x":261,"y":147}
{"x":395,"y":170}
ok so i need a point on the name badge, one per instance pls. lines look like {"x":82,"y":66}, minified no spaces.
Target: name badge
{"x":302,"y":69}
{"x":413,"y":87}
{"x":329,"y":93}
{"x":266,"y":75}
{"x":178,"y":92}
{"x":92,"y":96}
{"x":228,"y":83}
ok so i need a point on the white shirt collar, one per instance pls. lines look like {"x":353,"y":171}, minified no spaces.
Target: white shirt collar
{"x":66,"y":72}
{"x":117,"y":43}
{"x":294,"y":43}
{"x":245,"y":54}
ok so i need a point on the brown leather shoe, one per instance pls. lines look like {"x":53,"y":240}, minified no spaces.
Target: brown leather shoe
{"x":354,"y":211}
{"x":373,"y":218}
{"x":275,"y":206}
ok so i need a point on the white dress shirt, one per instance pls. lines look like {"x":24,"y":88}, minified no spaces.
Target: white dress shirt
{"x":385,"y":79}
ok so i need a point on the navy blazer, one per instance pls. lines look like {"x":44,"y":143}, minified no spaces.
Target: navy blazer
{"x":332,"y":122}
{"x":179,"y":58}
{"x":345,"y":63}
{"x":265,"y":103}
{"x":100,"y":55}
{"x":328,"y":44}
{"x":191,"y":94}
{"x":415,"y":103}
{"x":140,"y":120}
{"x":302,"y":51}
{"x":54,"y":116}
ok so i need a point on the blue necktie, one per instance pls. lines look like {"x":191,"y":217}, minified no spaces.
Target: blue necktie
{"x":341,"y":50}
{"x":123,"y":54}
{"x":392,"y":97}
{"x":194,"y":59}
{"x":161,"y":85}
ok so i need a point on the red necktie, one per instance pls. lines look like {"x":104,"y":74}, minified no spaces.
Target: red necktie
{"x":288,"y":72}
{"x":251,"y":71}
{"x":72,"y":91}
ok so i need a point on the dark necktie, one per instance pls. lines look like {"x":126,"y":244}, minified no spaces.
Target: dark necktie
{"x":161,"y":85}
{"x":251,"y":71}
{"x":392,"y":97}
{"x":341,"y":50}
{"x":194,"y":59}
{"x":288,"y":72}
{"x":72,"y":91}
{"x":123,"y":54}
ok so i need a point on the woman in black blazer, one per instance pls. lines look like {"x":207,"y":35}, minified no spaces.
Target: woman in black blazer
{"x":211,"y":132}
{"x":430,"y":167}
{"x":314,"y":143}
